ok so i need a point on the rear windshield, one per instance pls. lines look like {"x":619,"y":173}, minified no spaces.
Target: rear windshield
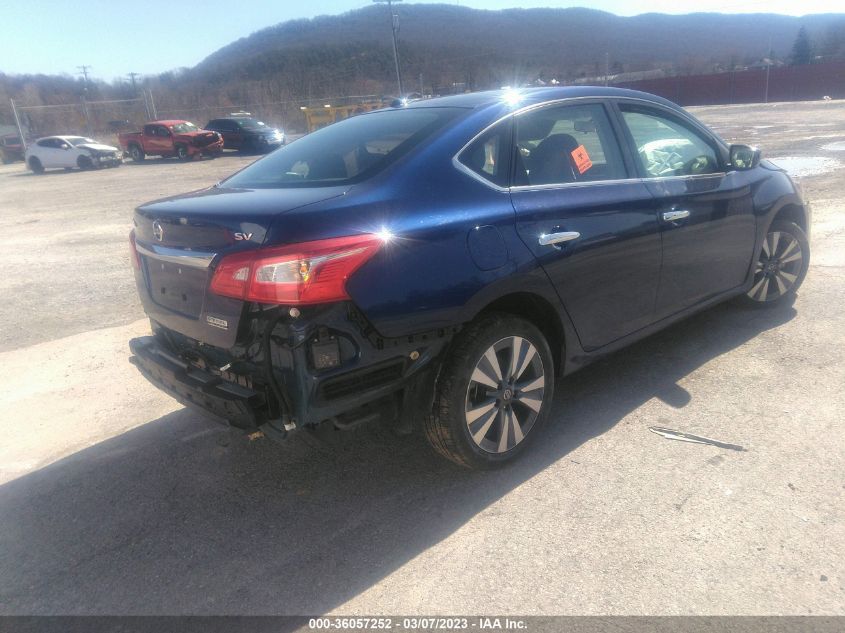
{"x":348,"y":151}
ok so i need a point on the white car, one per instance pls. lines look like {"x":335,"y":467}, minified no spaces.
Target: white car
{"x":70,"y":152}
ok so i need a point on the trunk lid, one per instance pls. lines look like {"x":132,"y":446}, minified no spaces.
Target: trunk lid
{"x":180,"y":239}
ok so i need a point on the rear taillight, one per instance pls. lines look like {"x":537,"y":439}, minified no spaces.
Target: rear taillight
{"x":306,"y":273}
{"x":136,"y":259}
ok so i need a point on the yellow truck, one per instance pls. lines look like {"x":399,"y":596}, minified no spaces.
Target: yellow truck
{"x":317,"y":117}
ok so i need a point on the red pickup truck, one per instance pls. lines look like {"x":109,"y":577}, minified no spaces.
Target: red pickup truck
{"x":181,"y":139}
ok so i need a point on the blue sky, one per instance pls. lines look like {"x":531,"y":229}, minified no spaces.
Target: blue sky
{"x":115,"y":37}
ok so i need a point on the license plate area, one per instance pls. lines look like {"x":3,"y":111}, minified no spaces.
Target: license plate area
{"x":176,"y":287}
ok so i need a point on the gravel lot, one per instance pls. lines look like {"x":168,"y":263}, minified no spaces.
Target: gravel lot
{"x":115,"y":500}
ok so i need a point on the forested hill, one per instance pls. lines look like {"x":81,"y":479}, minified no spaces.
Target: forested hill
{"x":443,"y":49}
{"x":452,"y":43}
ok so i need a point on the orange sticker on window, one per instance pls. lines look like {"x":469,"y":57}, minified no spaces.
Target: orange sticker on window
{"x":582,"y":159}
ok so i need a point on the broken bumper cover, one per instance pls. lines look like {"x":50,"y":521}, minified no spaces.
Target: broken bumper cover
{"x":228,"y":402}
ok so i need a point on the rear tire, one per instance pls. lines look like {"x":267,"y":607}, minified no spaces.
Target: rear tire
{"x":35,"y":165}
{"x":136,"y":153}
{"x":780,"y":266}
{"x":494,"y":393}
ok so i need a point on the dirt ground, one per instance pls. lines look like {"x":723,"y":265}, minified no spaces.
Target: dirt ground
{"x":116,"y":500}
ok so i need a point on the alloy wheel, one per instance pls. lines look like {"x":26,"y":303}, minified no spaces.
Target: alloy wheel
{"x":778,"y":267}
{"x":505,"y":394}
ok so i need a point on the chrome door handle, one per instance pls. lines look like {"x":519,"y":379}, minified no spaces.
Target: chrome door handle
{"x":675,"y":215}
{"x":554,"y":239}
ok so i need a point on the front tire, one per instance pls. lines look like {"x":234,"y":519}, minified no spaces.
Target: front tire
{"x":781,"y":265}
{"x":494,"y":393}
{"x":182,"y":153}
{"x":84,"y":163}
{"x":36,"y":166}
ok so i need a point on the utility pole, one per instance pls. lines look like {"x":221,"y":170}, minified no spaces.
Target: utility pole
{"x":153,"y":105}
{"x":606,"y":66}
{"x":394,"y":27}
{"x":768,"y":69}
{"x":132,"y":79}
{"x":18,"y":123}
{"x":83,"y":70}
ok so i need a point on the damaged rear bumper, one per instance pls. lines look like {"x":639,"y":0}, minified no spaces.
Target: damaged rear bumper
{"x":228,"y":402}
{"x":373,"y":378}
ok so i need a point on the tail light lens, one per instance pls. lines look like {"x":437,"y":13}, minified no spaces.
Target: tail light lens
{"x":306,"y":273}
{"x":136,"y":259}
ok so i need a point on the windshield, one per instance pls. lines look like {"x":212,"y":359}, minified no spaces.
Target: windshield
{"x":183,"y":128}
{"x":251,"y":124}
{"x":79,"y":140}
{"x":11,"y":140}
{"x":350,"y":150}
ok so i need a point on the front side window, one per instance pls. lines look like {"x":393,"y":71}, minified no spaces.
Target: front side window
{"x":489,"y":155}
{"x":665,"y":147}
{"x":566,"y":144}
{"x":344,"y":152}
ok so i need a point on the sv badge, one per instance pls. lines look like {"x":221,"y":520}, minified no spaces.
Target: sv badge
{"x":243,"y":237}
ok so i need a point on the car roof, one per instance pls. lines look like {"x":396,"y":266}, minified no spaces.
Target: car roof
{"x":530,"y":96}
{"x":61,"y":137}
{"x":167,"y":122}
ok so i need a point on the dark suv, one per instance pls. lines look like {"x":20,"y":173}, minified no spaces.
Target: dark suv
{"x":439,"y":264}
{"x":247,"y":134}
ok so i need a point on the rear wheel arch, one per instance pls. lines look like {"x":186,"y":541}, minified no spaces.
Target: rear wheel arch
{"x":532,"y":307}
{"x":538,"y":311}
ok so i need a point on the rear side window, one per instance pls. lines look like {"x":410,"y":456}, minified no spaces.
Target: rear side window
{"x":348,"y":151}
{"x":489,"y":155}
{"x":566,"y":144}
{"x":666,"y":147}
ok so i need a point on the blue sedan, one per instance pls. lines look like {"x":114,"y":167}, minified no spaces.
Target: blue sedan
{"x":436,"y":266}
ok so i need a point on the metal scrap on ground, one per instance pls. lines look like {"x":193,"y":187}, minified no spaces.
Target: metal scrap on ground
{"x":671,"y":434}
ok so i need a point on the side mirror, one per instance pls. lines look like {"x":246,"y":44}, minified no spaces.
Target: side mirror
{"x":65,"y":146}
{"x":743,"y":157}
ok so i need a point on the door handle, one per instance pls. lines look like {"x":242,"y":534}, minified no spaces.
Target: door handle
{"x":675,"y":215}
{"x":553,"y":239}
